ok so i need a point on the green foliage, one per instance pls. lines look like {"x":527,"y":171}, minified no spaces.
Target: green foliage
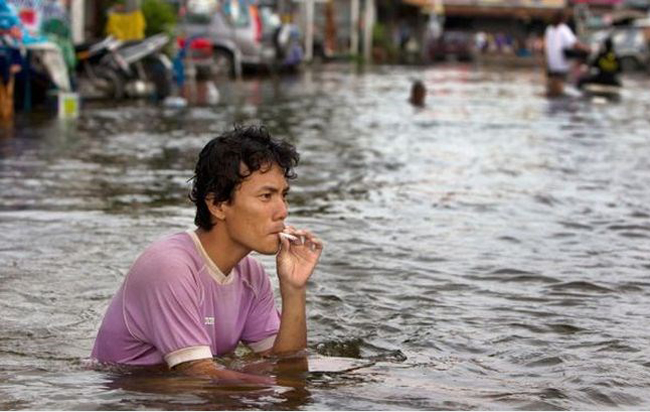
{"x":383,"y":48}
{"x":379,"y":35}
{"x":159,"y":15}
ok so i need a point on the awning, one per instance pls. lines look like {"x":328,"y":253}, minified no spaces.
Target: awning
{"x":427,"y":6}
{"x":494,"y":8}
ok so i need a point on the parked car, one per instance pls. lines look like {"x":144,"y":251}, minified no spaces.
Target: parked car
{"x":630,"y":46}
{"x":456,"y":44}
{"x":242,"y":35}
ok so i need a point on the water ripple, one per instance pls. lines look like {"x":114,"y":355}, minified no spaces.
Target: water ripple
{"x":488,"y":251}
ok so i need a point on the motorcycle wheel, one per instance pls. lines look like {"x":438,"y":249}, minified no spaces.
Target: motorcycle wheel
{"x":112,"y":84}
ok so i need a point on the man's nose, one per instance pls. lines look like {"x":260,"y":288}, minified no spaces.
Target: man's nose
{"x":283,"y":210}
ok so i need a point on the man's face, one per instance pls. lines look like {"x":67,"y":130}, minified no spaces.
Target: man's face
{"x":257,"y":211}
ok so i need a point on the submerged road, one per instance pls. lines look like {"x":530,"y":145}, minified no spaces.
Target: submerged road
{"x":489,"y":251}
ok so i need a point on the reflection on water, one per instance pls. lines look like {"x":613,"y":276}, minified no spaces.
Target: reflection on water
{"x":296,"y":379}
{"x":487,"y":251}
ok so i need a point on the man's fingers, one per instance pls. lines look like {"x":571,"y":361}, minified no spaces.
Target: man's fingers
{"x":284,"y":243}
{"x":315,"y":243}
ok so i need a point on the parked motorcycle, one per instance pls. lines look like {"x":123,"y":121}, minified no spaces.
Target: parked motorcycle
{"x":115,"y":69}
{"x":94,"y":79}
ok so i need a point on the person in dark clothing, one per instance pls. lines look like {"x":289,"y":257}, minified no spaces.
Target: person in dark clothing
{"x":604,"y":69}
{"x":11,"y":62}
{"x":418,"y":94}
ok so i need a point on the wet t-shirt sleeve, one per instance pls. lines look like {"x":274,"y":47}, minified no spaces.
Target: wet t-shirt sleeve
{"x":162,"y":307}
{"x":263,"y":320}
{"x":568,"y":38}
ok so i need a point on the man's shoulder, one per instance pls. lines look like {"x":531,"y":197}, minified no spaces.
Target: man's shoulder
{"x":171,"y":246}
{"x":166,"y":255}
{"x":566,"y":30}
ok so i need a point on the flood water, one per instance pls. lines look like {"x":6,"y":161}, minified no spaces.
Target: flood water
{"x":490,"y":251}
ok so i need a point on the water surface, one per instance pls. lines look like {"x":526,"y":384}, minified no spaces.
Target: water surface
{"x":487,"y":252}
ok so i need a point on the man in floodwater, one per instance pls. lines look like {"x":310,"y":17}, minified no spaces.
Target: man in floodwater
{"x":196,"y":295}
{"x":559,"y":41}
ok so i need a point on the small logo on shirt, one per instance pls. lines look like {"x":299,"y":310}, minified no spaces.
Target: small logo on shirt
{"x":209,"y":320}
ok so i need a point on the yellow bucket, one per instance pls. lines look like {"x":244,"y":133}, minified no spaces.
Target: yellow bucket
{"x":68,"y":105}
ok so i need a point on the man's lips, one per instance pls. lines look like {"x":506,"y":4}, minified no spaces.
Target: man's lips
{"x":278,"y":230}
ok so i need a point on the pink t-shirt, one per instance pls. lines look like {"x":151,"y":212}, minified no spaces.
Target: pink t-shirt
{"x":175,"y":306}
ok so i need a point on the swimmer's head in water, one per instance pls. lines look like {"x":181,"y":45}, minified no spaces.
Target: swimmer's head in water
{"x":418,"y":93}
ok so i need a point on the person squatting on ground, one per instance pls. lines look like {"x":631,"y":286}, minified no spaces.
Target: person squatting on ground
{"x":604,"y":69}
{"x":558,"y":39}
{"x":196,"y":295}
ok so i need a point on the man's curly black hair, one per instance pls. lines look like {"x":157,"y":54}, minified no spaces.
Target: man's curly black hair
{"x":219,"y":170}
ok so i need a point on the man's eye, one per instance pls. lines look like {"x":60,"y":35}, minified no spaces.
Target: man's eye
{"x":266,"y":196}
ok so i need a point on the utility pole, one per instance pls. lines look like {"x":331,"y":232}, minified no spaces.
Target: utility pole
{"x":368,"y":25}
{"x":354,"y":27}
{"x":309,"y":26}
{"x":309,"y":35}
{"x":77,"y":13}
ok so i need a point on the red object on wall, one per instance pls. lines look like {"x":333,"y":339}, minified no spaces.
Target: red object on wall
{"x":27,"y":16}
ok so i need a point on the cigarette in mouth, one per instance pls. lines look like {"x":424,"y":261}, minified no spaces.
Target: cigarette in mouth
{"x":289,"y":237}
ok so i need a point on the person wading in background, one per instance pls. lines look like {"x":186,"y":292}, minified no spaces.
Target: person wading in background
{"x":418,"y":94}
{"x":559,"y":41}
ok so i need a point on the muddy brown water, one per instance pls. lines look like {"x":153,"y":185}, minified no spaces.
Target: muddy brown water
{"x":490,"y":251}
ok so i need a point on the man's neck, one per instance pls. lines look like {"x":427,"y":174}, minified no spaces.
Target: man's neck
{"x":221,"y":249}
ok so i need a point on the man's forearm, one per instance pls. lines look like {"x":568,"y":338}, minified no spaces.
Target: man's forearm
{"x":206,"y":368}
{"x":292,"y":336}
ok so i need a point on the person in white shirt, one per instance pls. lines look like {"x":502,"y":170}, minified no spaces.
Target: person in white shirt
{"x":558,"y":38}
